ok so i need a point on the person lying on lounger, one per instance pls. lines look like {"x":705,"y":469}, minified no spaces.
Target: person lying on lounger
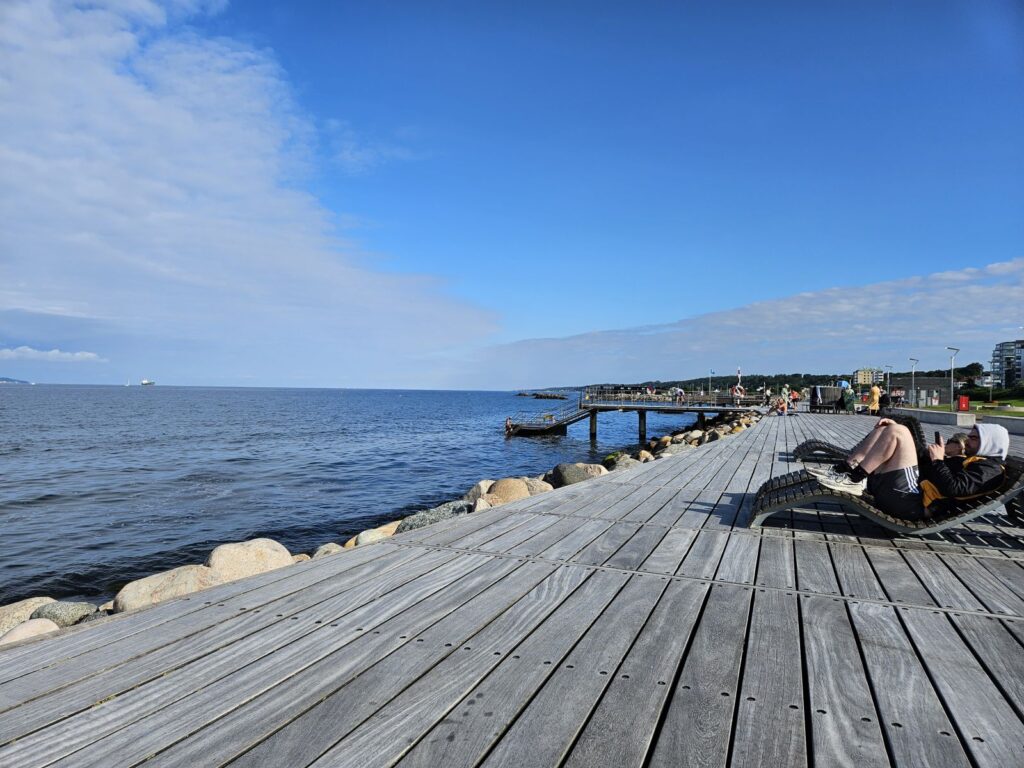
{"x":886,"y":464}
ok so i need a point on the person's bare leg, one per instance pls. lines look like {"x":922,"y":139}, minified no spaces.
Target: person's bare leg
{"x":887,"y":448}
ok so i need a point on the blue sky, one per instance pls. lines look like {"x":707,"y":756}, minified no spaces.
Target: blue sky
{"x":505,"y":195}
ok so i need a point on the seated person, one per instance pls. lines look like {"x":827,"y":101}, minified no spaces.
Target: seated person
{"x":885,"y":463}
{"x":957,"y":445}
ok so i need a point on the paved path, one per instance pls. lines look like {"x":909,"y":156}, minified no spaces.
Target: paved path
{"x":632,"y":620}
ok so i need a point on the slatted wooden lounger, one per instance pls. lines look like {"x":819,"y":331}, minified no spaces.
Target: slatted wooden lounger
{"x":801,"y":488}
{"x":821,"y":450}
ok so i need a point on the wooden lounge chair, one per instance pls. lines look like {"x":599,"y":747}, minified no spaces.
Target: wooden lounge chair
{"x":820,"y":450}
{"x":801,"y":488}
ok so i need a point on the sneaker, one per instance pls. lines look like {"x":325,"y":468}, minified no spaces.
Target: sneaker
{"x":840,"y":481}
{"x":839,"y":468}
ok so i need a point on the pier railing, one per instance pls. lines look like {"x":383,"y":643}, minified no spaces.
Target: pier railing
{"x":550,"y":416}
{"x":634,"y":397}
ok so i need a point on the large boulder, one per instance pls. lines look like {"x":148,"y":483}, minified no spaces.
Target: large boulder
{"x":507,"y":489}
{"x":569,"y":474}
{"x":163,"y":586}
{"x":664,"y":441}
{"x":535,"y":486}
{"x":14,"y":614}
{"x":643,"y":456}
{"x":302,"y":557}
{"x":481,"y":504}
{"x":478,"y":491}
{"x":330,"y":548}
{"x":377,"y":534}
{"x":675,"y":449}
{"x":64,"y":614}
{"x":436,"y":514}
{"x":624,"y":462}
{"x":247,"y":558}
{"x":27,"y":629}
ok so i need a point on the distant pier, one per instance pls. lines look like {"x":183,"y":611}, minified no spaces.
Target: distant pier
{"x":590,"y":402}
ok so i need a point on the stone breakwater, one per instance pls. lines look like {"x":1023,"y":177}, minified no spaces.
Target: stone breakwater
{"x":42,"y":615}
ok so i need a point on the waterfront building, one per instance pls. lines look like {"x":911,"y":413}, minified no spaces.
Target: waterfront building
{"x":1008,"y":363}
{"x":868,"y":376}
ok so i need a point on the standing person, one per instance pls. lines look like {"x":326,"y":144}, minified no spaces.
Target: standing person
{"x":874,"y":400}
{"x":794,"y":398}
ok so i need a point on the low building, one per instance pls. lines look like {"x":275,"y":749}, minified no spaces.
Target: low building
{"x":868,"y":376}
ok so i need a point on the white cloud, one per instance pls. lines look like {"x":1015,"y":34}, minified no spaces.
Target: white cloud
{"x":356,"y":155}
{"x":49,"y":356}
{"x":834,"y":330}
{"x":151,"y":182}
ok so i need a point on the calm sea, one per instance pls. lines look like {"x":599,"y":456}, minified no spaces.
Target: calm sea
{"x":102,"y":485}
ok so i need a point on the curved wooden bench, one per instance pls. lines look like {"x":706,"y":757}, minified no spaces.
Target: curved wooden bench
{"x":820,"y":450}
{"x":799,"y":488}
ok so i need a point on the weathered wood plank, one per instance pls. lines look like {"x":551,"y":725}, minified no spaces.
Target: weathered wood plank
{"x":638,"y":548}
{"x":670,"y":551}
{"x":854,"y":572}
{"x":702,"y":560}
{"x":912,"y":715}
{"x":621,"y":729}
{"x":698,"y":722}
{"x":988,"y":726}
{"x":275,"y":619}
{"x":941,"y":582}
{"x":385,"y":737}
{"x":814,"y":570}
{"x":346,"y":688}
{"x":198,"y":632}
{"x":245,"y":669}
{"x":469,"y":731}
{"x":74,"y":641}
{"x":844,"y":722}
{"x":769,"y":731}
{"x":776,"y":563}
{"x":898,"y":579}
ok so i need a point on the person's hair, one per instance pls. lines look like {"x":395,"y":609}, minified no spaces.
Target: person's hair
{"x":959,"y":437}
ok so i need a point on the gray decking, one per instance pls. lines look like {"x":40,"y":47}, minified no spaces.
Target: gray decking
{"x":632,"y":620}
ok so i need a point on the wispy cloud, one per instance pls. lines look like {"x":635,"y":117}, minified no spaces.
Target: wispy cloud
{"x":151,"y":181}
{"x":834,"y":330}
{"x":49,"y":356}
{"x":357,"y":155}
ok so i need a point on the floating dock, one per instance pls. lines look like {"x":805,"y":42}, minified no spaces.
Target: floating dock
{"x":631,"y":620}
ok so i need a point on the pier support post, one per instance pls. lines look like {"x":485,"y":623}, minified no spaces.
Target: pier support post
{"x":701,"y":421}
{"x":593,"y":425}
{"x":642,"y":423}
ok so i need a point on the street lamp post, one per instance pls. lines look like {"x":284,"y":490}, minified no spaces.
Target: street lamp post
{"x":888,"y":381}
{"x":952,"y":358}
{"x":913,"y":390}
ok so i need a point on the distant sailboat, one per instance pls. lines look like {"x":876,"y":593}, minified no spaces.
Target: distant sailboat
{"x":128,"y":382}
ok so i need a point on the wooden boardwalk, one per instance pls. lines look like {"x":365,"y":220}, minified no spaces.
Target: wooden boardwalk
{"x":632,"y":620}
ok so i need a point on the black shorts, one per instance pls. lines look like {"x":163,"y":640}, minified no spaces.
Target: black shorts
{"x":896,"y":493}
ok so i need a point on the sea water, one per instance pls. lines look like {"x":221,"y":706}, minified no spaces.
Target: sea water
{"x":100,"y":485}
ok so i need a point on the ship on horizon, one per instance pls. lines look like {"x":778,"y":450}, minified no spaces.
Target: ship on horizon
{"x":147,"y":383}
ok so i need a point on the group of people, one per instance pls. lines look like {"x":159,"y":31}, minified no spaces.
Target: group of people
{"x":783,"y":403}
{"x":913,"y":486}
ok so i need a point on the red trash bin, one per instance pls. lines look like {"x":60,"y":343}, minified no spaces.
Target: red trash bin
{"x":963,"y":403}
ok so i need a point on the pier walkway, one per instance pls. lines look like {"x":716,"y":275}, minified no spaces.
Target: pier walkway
{"x":591,"y":402}
{"x":632,"y":620}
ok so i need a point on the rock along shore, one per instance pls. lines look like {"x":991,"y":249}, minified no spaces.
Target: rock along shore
{"x":42,"y":615}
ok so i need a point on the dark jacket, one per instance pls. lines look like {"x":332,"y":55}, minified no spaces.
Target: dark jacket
{"x":947,"y":480}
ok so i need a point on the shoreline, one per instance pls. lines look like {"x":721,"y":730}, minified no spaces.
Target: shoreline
{"x":41,"y":615}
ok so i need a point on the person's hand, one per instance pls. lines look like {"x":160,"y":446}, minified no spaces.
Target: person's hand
{"x":937,"y":451}
{"x":884,"y":422}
